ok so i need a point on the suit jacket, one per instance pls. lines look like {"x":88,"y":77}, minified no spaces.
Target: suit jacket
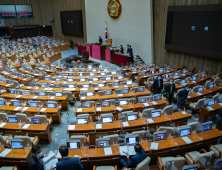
{"x":68,"y":163}
{"x":100,"y":40}
{"x":35,"y":163}
{"x":127,"y":50}
{"x":156,"y":88}
{"x":136,"y":159}
{"x":130,"y":51}
{"x":168,"y":89}
{"x":121,"y":50}
{"x":182,"y":97}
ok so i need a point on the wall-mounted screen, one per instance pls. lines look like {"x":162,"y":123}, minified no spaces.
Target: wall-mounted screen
{"x":7,"y":11}
{"x":24,"y":11}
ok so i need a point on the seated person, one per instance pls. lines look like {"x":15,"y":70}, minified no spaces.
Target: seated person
{"x":135,"y":159}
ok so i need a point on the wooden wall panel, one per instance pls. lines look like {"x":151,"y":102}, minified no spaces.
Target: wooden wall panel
{"x":46,"y":10}
{"x":162,"y":56}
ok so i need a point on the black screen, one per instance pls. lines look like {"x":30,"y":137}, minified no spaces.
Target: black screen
{"x":195,"y":30}
{"x":71,"y":22}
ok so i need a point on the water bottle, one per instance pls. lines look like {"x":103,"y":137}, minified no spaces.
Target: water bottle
{"x":56,"y":145}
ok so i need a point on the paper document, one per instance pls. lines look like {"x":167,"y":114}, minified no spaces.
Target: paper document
{"x":47,"y":158}
{"x":184,"y":74}
{"x":187,"y":140}
{"x":83,"y":97}
{"x":98,"y":126}
{"x":220,"y":104}
{"x":69,"y":89}
{"x":115,"y":86}
{"x":79,"y":109}
{"x":150,"y":120}
{"x":119,"y":109}
{"x":58,"y":155}
{"x":188,"y":96}
{"x":71,"y":127}
{"x":108,"y":151}
{"x":98,"y":109}
{"x":17,"y":108}
{"x":199,"y":93}
{"x":51,"y":163}
{"x":2,"y":124}
{"x":64,"y":82}
{"x":46,"y":89}
{"x":154,"y":146}
{"x":119,"y":94}
{"x":125,"y":86}
{"x":5,"y":152}
{"x":43,"y":109}
{"x":125,"y":123}
{"x":154,"y":102}
{"x":26,"y":126}
{"x":18,"y":96}
{"x":146,"y":104}
{"x":84,"y":89}
{"x":52,"y":81}
{"x":131,"y":150}
{"x":35,"y":97}
{"x":183,"y":112}
{"x":50,"y":88}
{"x":210,"y":108}
{"x":52,"y":97}
{"x":194,"y":82}
{"x":96,"y":88}
{"x":36,"y":87}
{"x":144,"y":76}
{"x":25,"y":108}
{"x":123,"y":150}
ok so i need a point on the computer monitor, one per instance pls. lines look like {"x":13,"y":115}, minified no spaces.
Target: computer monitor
{"x":17,"y":144}
{"x":158,"y":136}
{"x":206,"y":126}
{"x":131,"y":139}
{"x":210,"y":102}
{"x":160,"y":70}
{"x":60,"y":74}
{"x":155,"y":77}
{"x":176,"y":74}
{"x":52,"y":68}
{"x":157,"y":97}
{"x":58,"y":94}
{"x":36,"y":120}
{"x":70,"y":69}
{"x":31,"y":84}
{"x":82,"y":69}
{"x":73,"y":144}
{"x":40,"y":72}
{"x":47,"y":78}
{"x":57,"y":85}
{"x":141,"y":99}
{"x":125,"y":66}
{"x":61,"y":65}
{"x":58,"y":79}
{"x":125,"y":91}
{"x":95,"y":79}
{"x":103,"y":142}
{"x":92,"y":74}
{"x":194,"y":78}
{"x":82,"y":121}
{"x":51,"y":105}
{"x":105,"y":103}
{"x":16,"y":103}
{"x":129,"y":82}
{"x":12,"y":119}
{"x":108,"y":78}
{"x":192,"y":167}
{"x":26,"y":92}
{"x":134,"y":69}
{"x":152,"y":71}
{"x":70,"y":79}
{"x":144,"y":67}
{"x":107,"y":119}
{"x":12,"y":91}
{"x":89,"y":66}
{"x":132,"y":116}
{"x":82,"y":79}
{"x":103,"y":73}
{"x":2,"y":102}
{"x":86,"y":85}
{"x":166,"y":76}
{"x":90,"y":93}
{"x":211,"y":85}
{"x":9,"y":82}
{"x":20,"y":75}
{"x":185,"y":131}
{"x":156,"y":113}
{"x":70,"y":74}
{"x":113,"y":72}
{"x":42,"y":93}
{"x":123,"y":102}
{"x":28,"y":69}
{"x":86,"y":105}
{"x":203,"y":75}
{"x":200,"y":89}
{"x":143,"y":73}
{"x":115,"y":83}
{"x":108,"y":92}
{"x":120,"y":77}
{"x":94,"y":70}
{"x":141,"y":88}
{"x":101,"y":85}
{"x":34,"y":104}
{"x":43,"y":84}
{"x":71,"y":85}
{"x":183,"y":81}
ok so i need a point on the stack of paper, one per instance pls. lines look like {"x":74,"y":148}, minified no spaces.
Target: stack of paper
{"x":46,"y":88}
{"x":25,"y":108}
{"x":199,"y":93}
{"x":125,"y":86}
{"x":36,"y":87}
{"x":17,"y":108}
{"x":50,"y":88}
{"x":18,"y":96}
{"x":193,"y":81}
{"x":5,"y":152}
{"x":127,"y":149}
{"x":43,"y":109}
{"x":29,"y":87}
{"x":26,"y":126}
{"x":116,"y":86}
{"x":183,"y":112}
{"x":98,"y":109}
{"x":71,"y":127}
{"x":84,"y":89}
{"x":187,"y":140}
{"x":108,"y":151}
{"x":220,"y":104}
{"x":98,"y":126}
{"x":210,"y":108}
{"x":154,"y":146}
{"x":79,"y":109}
{"x":83,"y":97}
{"x":119,"y":109}
{"x":52,"y":97}
{"x":2,"y":124}
{"x":35,"y":97}
{"x":150,"y":120}
{"x":154,"y":102}
{"x":146,"y":104}
{"x":50,"y":156}
{"x":125,"y":123}
{"x":119,"y":94}
{"x":96,"y":88}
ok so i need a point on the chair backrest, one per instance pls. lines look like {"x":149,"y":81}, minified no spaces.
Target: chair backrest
{"x":111,"y":102}
{"x":195,"y":89}
{"x":177,"y":81}
{"x":131,"y":100}
{"x":21,"y":117}
{"x":144,"y":164}
{"x":26,"y":139}
{"x":204,"y":159}
{"x":200,"y":103}
{"x":168,"y":110}
{"x":106,"y":115}
{"x":194,"y":126}
{"x":174,"y":163}
{"x":216,"y":80}
{"x":100,"y":93}
{"x":82,"y":138}
{"x":216,"y":97}
{"x":141,"y":134}
{"x":147,"y":112}
{"x":42,"y":117}
{"x":169,"y":130}
{"x":217,"y":149}
{"x":113,"y":138}
{"x":3,"y":116}
{"x":207,"y":84}
{"x":2,"y":140}
{"x":133,"y":89}
{"x":84,"y":115}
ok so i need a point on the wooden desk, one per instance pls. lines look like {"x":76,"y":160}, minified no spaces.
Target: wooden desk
{"x":179,"y":67}
{"x":130,"y":68}
{"x":55,"y":57}
{"x":42,"y":130}
{"x":206,"y":113}
{"x":60,"y":48}
{"x":15,"y":77}
{"x":18,"y":157}
{"x":63,"y":100}
{"x":6,"y":85}
{"x":31,"y":73}
{"x":66,"y":76}
{"x":50,"y":112}
{"x":46,"y":70}
{"x":58,"y":67}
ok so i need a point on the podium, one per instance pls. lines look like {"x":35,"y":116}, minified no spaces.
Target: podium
{"x":123,"y":59}
{"x":88,"y":48}
{"x":98,"y":51}
{"x":81,"y":48}
{"x":110,"y":55}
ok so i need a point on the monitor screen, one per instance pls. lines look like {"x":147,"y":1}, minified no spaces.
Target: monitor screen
{"x":211,"y":85}
{"x":141,"y":88}
{"x":184,"y":71}
{"x":158,"y":136}
{"x":31,"y":84}
{"x":134,"y":69}
{"x":142,"y":73}
{"x":155,"y":77}
{"x":156,"y":113}
{"x":183,"y":81}
{"x":132,"y":117}
{"x":85,"y":85}
{"x":40,"y":72}
{"x":125,"y":91}
{"x":26,"y":92}
{"x":17,"y":103}
{"x":33,"y":104}
{"x":73,"y":145}
{"x":51,"y":105}
{"x":176,"y":74}
{"x":120,"y":77}
{"x":113,"y":72}
{"x":152,"y":71}
{"x":103,"y":143}
{"x":47,"y":78}
{"x":17,"y":145}
{"x":141,"y":99}
{"x":101,"y":84}
{"x":82,"y":79}
{"x":94,"y":70}
{"x":206,"y":126}
{"x":203,"y":74}
{"x":92,"y":74}
{"x":185,"y":132}
{"x":70,"y":79}
{"x":194,"y":78}
{"x":86,"y":105}
{"x":58,"y":79}
{"x":9,"y":82}
{"x":166,"y":76}
{"x":115,"y":83}
{"x":210,"y":102}
{"x":157,"y":97}
{"x":58,"y":94}
{"x":12,"y":120}
{"x":52,"y":68}
{"x":56,"y":85}
{"x":59,"y":74}
{"x":129,"y":82}
{"x":108,"y":78}
{"x":36,"y":120}
{"x":132,"y":140}
{"x":70,"y":69}
{"x":105,"y":104}
{"x":103,"y":73}
{"x":12,"y":91}
{"x":82,"y":121}
{"x":108,"y":92}
{"x":43,"y":85}
{"x":200,"y":89}
{"x":71,"y":85}
{"x":70,"y":74}
{"x":107,"y":119}
{"x":2,"y":102}
{"x":79,"y":74}
{"x":82,"y":70}
{"x":90,"y":93}
{"x":20,"y":75}
{"x":145,"y":67}
{"x":42,"y":93}
{"x":95,"y":79}
{"x":123,"y":102}
{"x":160,"y":70}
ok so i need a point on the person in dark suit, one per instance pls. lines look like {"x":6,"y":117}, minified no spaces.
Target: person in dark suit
{"x":100,"y":40}
{"x":170,"y":90}
{"x":35,"y":161}
{"x":182,"y":97}
{"x":127,"y":48}
{"x":71,"y":43}
{"x":121,"y":49}
{"x":67,"y":163}
{"x":130,"y":51}
{"x":158,"y":85}
{"x":135,"y":159}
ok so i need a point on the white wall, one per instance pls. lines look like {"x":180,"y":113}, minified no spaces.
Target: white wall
{"x":134,"y":27}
